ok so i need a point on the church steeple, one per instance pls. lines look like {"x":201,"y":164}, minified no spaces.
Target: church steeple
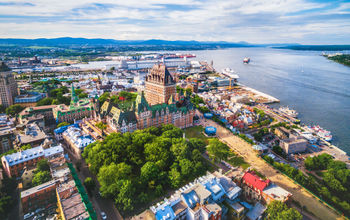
{"x":75,"y":98}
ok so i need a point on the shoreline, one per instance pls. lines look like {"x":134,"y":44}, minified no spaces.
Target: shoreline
{"x":268,"y":97}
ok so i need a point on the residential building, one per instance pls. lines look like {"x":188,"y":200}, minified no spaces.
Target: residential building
{"x":41,"y":196}
{"x":70,"y":202}
{"x":282,"y":132}
{"x":258,"y":190}
{"x":200,"y":199}
{"x":7,"y":135}
{"x":15,"y":164}
{"x":59,"y":131}
{"x":293,"y":145}
{"x":77,"y":110}
{"x":32,"y":134}
{"x":30,"y":99}
{"x":159,"y":85}
{"x":76,"y":140}
{"x":8,"y":86}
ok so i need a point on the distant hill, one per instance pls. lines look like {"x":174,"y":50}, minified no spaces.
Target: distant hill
{"x":315,"y":47}
{"x":67,"y":41}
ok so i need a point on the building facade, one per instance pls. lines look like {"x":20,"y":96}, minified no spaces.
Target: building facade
{"x":159,"y":85}
{"x":77,"y":110}
{"x":30,"y":99}
{"x":8,"y":86}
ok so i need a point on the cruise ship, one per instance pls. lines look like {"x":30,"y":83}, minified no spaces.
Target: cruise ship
{"x":322,"y":133}
{"x":230,"y":73}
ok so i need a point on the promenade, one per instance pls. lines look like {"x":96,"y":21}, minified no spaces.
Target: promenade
{"x":299,"y":194}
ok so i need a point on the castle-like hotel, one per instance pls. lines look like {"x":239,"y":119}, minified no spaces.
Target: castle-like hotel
{"x":159,"y":104}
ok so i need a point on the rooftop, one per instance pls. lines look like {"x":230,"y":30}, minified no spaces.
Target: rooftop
{"x":74,"y":207}
{"x":277,"y":193}
{"x":255,"y":181}
{"x":256,"y":212}
{"x":38,"y":188}
{"x":23,"y":156}
{"x":31,"y":133}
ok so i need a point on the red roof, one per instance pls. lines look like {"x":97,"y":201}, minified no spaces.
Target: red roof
{"x":252,"y":180}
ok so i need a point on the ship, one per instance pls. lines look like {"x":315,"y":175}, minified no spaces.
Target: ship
{"x":246,"y":60}
{"x":230,"y":73}
{"x":289,"y":112}
{"x":322,"y":133}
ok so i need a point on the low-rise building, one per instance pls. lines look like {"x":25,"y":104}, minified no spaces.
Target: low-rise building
{"x":59,"y":131}
{"x":258,"y":190}
{"x":293,"y":145}
{"x":15,"y":164}
{"x":282,"y":132}
{"x":30,"y":99}
{"x":30,"y":112}
{"x":200,"y":199}
{"x":32,"y":135}
{"x":76,"y":140}
{"x":41,"y":196}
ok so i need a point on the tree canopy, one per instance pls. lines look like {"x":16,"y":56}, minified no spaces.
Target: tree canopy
{"x":217,"y":150}
{"x":277,"y":210}
{"x":144,"y":163}
{"x":13,"y":110}
{"x":41,"y":177}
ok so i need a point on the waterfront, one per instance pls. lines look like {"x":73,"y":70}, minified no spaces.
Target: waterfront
{"x":319,"y":89}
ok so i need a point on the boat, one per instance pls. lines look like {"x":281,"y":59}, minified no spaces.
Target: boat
{"x":246,"y":60}
{"x":230,"y":73}
{"x":288,"y":111}
{"x":322,"y":133}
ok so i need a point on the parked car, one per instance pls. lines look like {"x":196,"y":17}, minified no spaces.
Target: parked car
{"x":28,"y":215}
{"x":103,"y":215}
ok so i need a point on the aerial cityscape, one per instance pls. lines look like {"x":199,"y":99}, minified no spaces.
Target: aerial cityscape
{"x":178,"y":110}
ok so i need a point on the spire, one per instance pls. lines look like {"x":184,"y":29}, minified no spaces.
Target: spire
{"x":75,"y":98}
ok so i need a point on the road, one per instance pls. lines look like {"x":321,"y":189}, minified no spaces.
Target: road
{"x":299,"y":194}
{"x":100,"y":204}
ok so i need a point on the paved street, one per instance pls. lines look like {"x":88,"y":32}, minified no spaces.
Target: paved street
{"x":100,"y":204}
{"x":299,"y":194}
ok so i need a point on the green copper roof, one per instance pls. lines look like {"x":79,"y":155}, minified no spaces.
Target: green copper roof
{"x":141,"y":103}
{"x":75,"y":98}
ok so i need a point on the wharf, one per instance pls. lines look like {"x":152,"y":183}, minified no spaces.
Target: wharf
{"x":269,"y":99}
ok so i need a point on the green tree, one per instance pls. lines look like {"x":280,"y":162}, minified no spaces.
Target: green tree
{"x":217,"y":150}
{"x":26,"y":147}
{"x":62,"y":124}
{"x":279,"y":211}
{"x":104,"y":97}
{"x":175,"y":178}
{"x":101,"y":126}
{"x":45,"y":101}
{"x":126,"y":195}
{"x":13,"y":110}
{"x":2,"y":109}
{"x":186,"y":167}
{"x":83,"y":95}
{"x":149,"y":171}
{"x":5,"y":205}
{"x":41,"y":177}
{"x":43,"y":165}
{"x":89,"y":183}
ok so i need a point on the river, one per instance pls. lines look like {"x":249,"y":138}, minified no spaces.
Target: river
{"x":319,"y":89}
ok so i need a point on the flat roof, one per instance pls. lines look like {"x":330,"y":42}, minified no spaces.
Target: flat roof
{"x":73,"y":207}
{"x":277,"y":192}
{"x":37,"y":188}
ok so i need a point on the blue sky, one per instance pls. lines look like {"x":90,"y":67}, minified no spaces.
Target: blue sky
{"x":254,"y":21}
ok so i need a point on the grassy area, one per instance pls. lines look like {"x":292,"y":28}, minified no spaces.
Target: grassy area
{"x":236,"y":160}
{"x":196,"y":132}
{"x":40,"y":47}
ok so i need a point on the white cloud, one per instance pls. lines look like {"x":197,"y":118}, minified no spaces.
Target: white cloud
{"x":257,"y":21}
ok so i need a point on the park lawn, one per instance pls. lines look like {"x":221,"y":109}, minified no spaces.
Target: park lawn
{"x":236,"y":160}
{"x":196,"y":132}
